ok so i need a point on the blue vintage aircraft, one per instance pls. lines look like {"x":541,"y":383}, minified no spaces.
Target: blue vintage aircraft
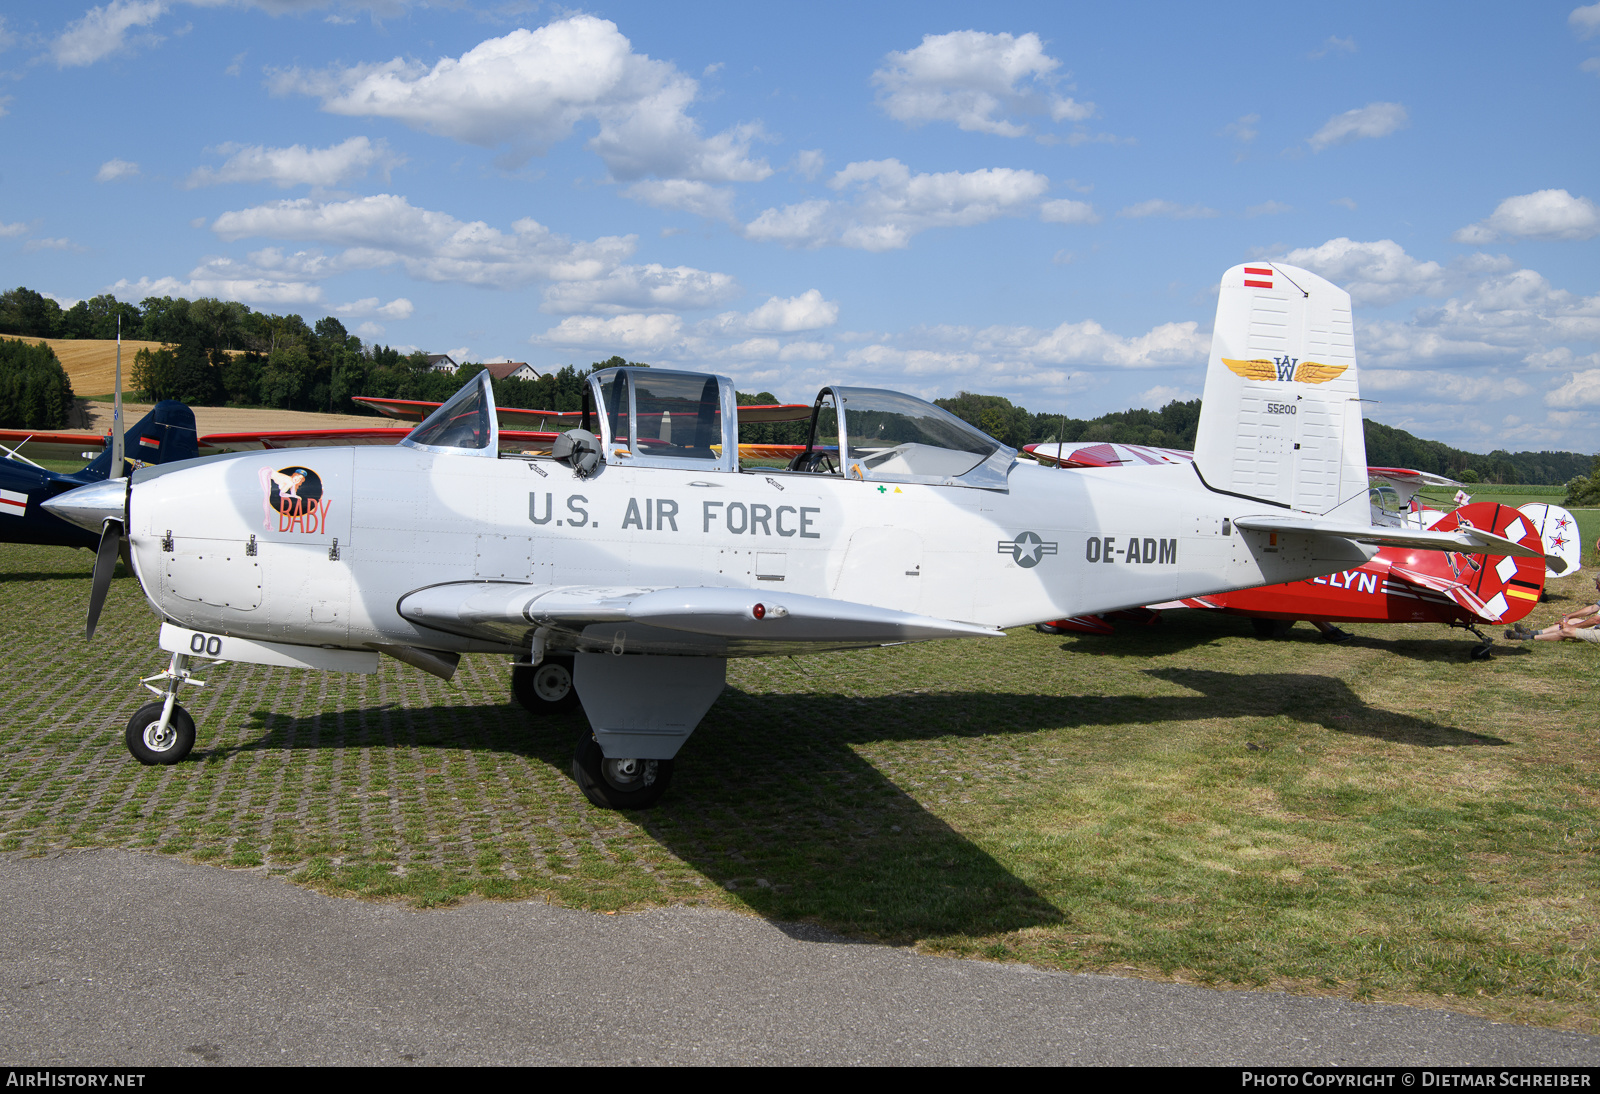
{"x":164,"y":435}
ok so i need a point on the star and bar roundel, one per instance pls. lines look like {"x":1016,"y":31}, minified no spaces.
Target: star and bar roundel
{"x":1027,"y":549}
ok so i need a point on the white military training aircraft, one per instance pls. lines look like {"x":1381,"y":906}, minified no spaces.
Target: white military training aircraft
{"x":626,"y":565}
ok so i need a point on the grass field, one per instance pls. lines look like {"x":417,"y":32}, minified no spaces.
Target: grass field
{"x":1380,"y":820}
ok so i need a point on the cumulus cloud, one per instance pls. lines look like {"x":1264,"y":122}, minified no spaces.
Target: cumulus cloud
{"x":633,"y":288}
{"x":1268,"y":209}
{"x":1446,"y":386}
{"x":1156,"y":207}
{"x":248,"y":291}
{"x":779,"y":315}
{"x":1372,"y":120}
{"x":386,"y":229}
{"x":629,"y":333}
{"x":975,"y":80}
{"x":529,"y":89}
{"x":1494,"y":314}
{"x":112,"y":170}
{"x":1244,"y":130}
{"x":685,"y":196}
{"x":275,"y":265}
{"x":891,"y":205}
{"x":104,"y":31}
{"x":1159,"y":396}
{"x":57,"y":244}
{"x":398,"y":308}
{"x":808,"y":163}
{"x":1067,"y":211}
{"x":1585,"y":20}
{"x":298,"y":165}
{"x":1089,"y":344}
{"x":1580,"y":390}
{"x":1544,"y":214}
{"x":1378,"y":273}
{"x":16,"y":228}
{"x":1334,"y":44}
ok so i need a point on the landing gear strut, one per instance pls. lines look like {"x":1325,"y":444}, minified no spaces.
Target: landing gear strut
{"x":163,"y":732}
{"x":1485,"y":649}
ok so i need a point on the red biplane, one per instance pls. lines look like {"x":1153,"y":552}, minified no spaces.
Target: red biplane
{"x":1396,"y":586}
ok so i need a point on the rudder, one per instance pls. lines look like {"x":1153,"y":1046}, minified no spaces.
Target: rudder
{"x":1280,"y":419}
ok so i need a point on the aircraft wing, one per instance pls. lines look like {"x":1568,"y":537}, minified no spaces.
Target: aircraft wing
{"x":41,"y":444}
{"x":706,"y":619}
{"x":213,"y":443}
{"x":1404,"y":476}
{"x":1104,"y":454}
{"x":1472,"y":541}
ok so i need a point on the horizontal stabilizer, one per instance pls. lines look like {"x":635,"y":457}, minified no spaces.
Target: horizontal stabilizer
{"x":1474,"y":541}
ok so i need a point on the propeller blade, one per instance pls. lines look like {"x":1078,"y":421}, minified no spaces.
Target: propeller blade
{"x":105,"y":560}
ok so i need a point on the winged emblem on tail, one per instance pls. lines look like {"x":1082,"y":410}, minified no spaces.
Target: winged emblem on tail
{"x":1284,"y":368}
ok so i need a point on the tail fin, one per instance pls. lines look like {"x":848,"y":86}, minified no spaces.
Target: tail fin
{"x":164,"y":435}
{"x":1280,"y":421}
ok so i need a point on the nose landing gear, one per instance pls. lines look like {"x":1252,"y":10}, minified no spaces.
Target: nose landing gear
{"x":163,"y":732}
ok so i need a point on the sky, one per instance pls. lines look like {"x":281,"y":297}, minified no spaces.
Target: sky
{"x":1029,"y":200}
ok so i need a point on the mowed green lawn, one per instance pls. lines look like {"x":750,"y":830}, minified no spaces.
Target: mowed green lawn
{"x":1381,"y":820}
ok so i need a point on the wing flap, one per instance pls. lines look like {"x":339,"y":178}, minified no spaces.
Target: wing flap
{"x":496,"y":610}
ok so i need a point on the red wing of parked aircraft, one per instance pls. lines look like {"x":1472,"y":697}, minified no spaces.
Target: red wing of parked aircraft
{"x":42,"y":445}
{"x":414,"y":410}
{"x":525,"y":431}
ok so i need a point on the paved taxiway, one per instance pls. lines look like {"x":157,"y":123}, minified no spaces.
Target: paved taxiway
{"x":115,"y":958}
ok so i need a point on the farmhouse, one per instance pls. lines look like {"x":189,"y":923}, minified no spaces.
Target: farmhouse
{"x":511,"y":370}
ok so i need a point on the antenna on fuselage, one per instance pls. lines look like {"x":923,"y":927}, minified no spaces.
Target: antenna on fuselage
{"x":116,"y":410}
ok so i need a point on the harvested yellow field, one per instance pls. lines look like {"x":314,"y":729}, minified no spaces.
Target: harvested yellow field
{"x":91,"y":363}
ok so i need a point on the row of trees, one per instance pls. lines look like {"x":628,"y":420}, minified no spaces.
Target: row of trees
{"x":35,"y":392}
{"x":219,"y":352}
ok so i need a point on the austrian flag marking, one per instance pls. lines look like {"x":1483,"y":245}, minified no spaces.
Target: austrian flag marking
{"x":12,"y":502}
{"x":1254,"y":275}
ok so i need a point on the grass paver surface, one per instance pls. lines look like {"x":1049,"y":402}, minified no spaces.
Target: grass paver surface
{"x":1380,"y":820}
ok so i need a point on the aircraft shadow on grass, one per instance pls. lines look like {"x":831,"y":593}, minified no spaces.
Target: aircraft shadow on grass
{"x":1186,"y":630}
{"x":775,"y":802}
{"x":791,"y":819}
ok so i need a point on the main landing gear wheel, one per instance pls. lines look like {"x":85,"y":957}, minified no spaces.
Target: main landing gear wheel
{"x":618,"y":784}
{"x":1271,"y":628}
{"x":152,"y":744}
{"x":545,"y":688}
{"x":1482,"y":653}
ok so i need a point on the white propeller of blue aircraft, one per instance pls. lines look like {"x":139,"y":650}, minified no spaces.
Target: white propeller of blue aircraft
{"x":627,"y":566}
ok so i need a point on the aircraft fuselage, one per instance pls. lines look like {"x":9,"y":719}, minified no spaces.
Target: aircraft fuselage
{"x":222,"y":546}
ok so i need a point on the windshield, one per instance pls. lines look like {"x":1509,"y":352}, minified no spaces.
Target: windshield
{"x":678,"y":414}
{"x":893,"y":436}
{"x":465,"y":421}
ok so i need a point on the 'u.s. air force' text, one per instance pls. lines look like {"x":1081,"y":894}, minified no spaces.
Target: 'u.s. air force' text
{"x":662,"y":515}
{"x":1144,"y":550}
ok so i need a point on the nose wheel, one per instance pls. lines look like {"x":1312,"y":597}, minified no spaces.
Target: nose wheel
{"x":618,"y":783}
{"x":162,"y":732}
{"x":158,"y":736}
